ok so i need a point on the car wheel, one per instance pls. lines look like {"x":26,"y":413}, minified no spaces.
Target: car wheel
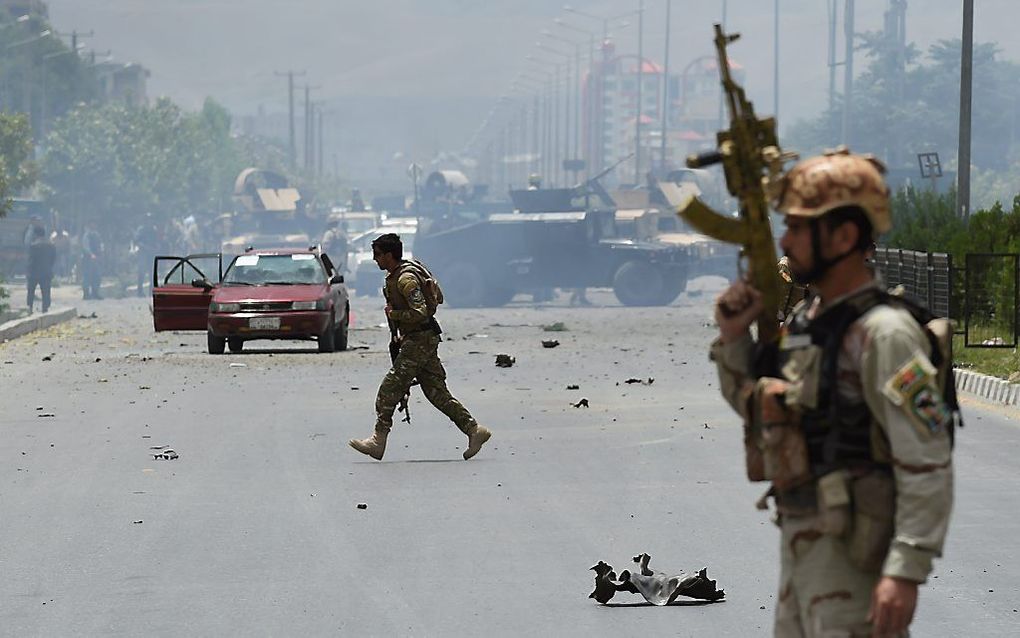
{"x":236,"y":344}
{"x":464,"y":285}
{"x":342,"y":331}
{"x":639,"y":283}
{"x":216,"y":344}
{"x":327,"y":338}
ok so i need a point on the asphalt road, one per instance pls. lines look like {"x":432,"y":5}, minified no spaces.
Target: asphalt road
{"x":255,"y":530}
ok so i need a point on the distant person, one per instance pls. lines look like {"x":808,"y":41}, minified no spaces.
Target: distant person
{"x":91,"y":267}
{"x":337,"y":245}
{"x":534,"y":182}
{"x":42,"y":255}
{"x":34,"y":222}
{"x":62,"y":243}
{"x":411,"y":299}
{"x":357,"y":203}
{"x":146,"y":245}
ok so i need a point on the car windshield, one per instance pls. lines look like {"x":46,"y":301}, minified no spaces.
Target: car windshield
{"x":261,"y":270}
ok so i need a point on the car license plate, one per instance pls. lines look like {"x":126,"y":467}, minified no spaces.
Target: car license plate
{"x":264,"y":323}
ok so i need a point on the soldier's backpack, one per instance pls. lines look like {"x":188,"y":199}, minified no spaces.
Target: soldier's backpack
{"x":430,"y":288}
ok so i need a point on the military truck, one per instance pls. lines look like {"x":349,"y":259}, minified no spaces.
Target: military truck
{"x":562,"y":237}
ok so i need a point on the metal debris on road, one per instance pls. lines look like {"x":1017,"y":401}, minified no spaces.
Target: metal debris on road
{"x":657,"y":588}
{"x":165,"y":455}
{"x":505,"y":361}
{"x":644,"y":382}
{"x":583,"y":403}
{"x":573,"y":387}
{"x":48,"y":357}
{"x":45,"y":414}
{"x":550,"y":343}
{"x":238,"y":365}
{"x":362,"y":506}
{"x":136,"y":522}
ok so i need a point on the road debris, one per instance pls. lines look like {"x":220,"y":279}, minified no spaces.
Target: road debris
{"x":550,"y":343}
{"x":583,"y":403}
{"x":505,"y":361}
{"x":559,"y":326}
{"x":166,"y":454}
{"x":238,"y":365}
{"x":573,"y":387}
{"x":48,"y":357}
{"x":136,"y":522}
{"x":657,"y":588}
{"x":362,"y":506}
{"x":648,"y":381}
{"x":42,"y":415}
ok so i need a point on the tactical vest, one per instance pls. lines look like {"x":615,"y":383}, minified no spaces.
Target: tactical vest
{"x":838,"y":431}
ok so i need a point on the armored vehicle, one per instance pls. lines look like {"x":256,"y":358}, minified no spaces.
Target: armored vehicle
{"x":562,"y":237}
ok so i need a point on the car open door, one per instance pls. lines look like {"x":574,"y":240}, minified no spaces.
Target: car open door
{"x":181,"y":291}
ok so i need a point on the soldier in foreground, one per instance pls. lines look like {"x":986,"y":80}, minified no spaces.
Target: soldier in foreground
{"x":411,"y":299}
{"x":851,"y":414}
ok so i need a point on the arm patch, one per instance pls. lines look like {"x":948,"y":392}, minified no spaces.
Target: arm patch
{"x":914,"y":389}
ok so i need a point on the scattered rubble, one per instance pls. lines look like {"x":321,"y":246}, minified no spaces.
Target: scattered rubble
{"x":362,"y":506}
{"x":550,"y":343}
{"x":648,"y":381}
{"x":505,"y":361}
{"x":657,"y":588}
{"x":583,"y":403}
{"x":573,"y":387}
{"x":559,"y":326}
{"x":163,"y":453}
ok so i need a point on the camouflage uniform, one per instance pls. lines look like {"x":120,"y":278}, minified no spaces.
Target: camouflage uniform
{"x":861,"y":468}
{"x":418,"y":358}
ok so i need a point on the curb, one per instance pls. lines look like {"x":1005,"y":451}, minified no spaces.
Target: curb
{"x":21,"y":327}
{"x":987,"y":387}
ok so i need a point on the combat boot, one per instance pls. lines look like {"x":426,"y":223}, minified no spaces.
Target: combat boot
{"x":374,"y":446}
{"x":477,"y":436}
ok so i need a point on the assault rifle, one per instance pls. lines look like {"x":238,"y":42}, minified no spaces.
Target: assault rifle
{"x":394,"y":351}
{"x":753,"y":161}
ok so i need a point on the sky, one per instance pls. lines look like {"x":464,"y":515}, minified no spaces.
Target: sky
{"x":378,"y":59}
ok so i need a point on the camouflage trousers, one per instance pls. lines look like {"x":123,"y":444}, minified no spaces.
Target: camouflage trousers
{"x":419,"y":359}
{"x":821,"y":595}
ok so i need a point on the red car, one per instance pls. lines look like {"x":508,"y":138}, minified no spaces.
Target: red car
{"x":264,"y":294}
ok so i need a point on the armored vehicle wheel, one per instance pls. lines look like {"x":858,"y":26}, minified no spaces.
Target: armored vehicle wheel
{"x":236,"y":344}
{"x":216,"y":344}
{"x":464,"y":285}
{"x":639,"y":283}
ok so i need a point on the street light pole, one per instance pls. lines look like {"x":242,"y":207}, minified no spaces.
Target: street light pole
{"x":640,"y":81}
{"x":665,"y":92}
{"x":290,"y":112}
{"x":966,"y":71}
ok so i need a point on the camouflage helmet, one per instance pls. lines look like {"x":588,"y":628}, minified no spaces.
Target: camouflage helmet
{"x":838,"y":178}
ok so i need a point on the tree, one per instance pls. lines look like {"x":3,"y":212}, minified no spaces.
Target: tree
{"x":897,"y":115}
{"x":17,"y":170}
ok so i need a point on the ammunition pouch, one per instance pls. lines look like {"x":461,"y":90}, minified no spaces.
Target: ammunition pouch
{"x":834,"y":503}
{"x":874,"y":517}
{"x":774,"y":452}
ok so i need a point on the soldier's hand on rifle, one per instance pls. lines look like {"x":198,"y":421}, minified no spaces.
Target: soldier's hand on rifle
{"x":388,"y":309}
{"x":736,"y":309}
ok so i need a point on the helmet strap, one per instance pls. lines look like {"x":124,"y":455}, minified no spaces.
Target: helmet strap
{"x":821,"y":265}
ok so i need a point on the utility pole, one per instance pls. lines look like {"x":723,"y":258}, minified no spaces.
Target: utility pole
{"x":309,"y":126}
{"x":775,"y":62}
{"x":290,"y":112}
{"x":640,"y":81}
{"x":831,"y":5}
{"x":966,"y":69}
{"x":320,"y":141}
{"x":848,"y":74}
{"x":665,"y":93}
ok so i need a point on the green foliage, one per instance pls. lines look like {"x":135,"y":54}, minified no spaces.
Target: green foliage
{"x":114,"y":163}
{"x":17,"y":170}
{"x":41,"y":75}
{"x":896,"y":116}
{"x":4,"y":306}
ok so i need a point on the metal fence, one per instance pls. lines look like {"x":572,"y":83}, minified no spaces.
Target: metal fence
{"x":925,"y":277}
{"x":991,"y":298}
